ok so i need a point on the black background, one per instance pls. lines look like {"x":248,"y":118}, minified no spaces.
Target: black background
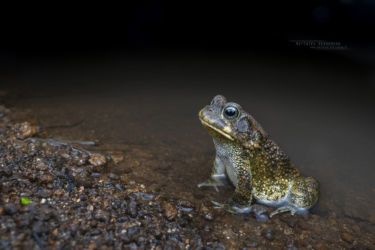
{"x":80,"y":29}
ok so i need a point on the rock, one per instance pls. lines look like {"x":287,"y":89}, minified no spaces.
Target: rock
{"x":132,"y":232}
{"x":267,"y":233}
{"x":80,"y":158}
{"x":117,"y":157}
{"x":25,"y":130}
{"x":45,"y":179}
{"x":132,"y":209}
{"x":170,"y":211}
{"x":113,"y":176}
{"x":10,"y":209}
{"x":131,"y":246}
{"x":207,"y":213}
{"x":6,"y":171}
{"x":96,"y":175}
{"x":321,"y":246}
{"x":97,"y":160}
{"x":101,"y":215}
{"x":59,"y":192}
{"x":40,"y":164}
{"x":347,"y":237}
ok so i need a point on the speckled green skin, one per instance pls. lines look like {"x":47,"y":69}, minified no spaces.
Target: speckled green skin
{"x":254,"y":164}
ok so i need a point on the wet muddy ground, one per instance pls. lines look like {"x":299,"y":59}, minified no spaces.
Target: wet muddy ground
{"x":142,"y":115}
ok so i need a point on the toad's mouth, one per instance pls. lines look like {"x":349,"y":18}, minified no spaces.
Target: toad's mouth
{"x":210,"y":126}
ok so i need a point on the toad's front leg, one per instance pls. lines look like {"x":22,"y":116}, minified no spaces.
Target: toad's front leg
{"x":241,"y":199}
{"x":218,"y":176}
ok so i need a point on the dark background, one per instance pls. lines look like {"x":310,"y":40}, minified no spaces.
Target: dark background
{"x":55,"y":30}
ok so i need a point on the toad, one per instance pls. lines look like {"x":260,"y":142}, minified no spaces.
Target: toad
{"x":253,"y":163}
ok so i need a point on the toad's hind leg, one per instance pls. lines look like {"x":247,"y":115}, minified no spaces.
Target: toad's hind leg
{"x":303,"y":194}
{"x":218,"y":176}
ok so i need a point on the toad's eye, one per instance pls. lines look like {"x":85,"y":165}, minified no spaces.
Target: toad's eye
{"x":231,"y":112}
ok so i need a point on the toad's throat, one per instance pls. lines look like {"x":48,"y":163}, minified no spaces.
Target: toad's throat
{"x":206,"y":124}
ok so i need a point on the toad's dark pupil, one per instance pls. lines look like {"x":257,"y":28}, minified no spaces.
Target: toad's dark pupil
{"x":230,"y":112}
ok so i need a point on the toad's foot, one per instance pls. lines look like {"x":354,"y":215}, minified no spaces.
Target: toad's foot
{"x":234,"y":209}
{"x":211,"y":183}
{"x":283,"y":209}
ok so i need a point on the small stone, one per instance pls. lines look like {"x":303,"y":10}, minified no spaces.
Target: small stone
{"x":92,"y":246}
{"x":132,"y":232}
{"x":118,"y":186}
{"x":132,"y":208}
{"x":45,"y":179}
{"x":141,"y":241}
{"x":97,"y":160}
{"x":356,"y":229}
{"x":25,"y":130}
{"x":207,"y":213}
{"x":40,"y":165}
{"x":185,"y":203}
{"x":117,"y":157}
{"x":6,"y":171}
{"x":170,"y":211}
{"x":347,"y":237}
{"x":321,"y":246}
{"x":113,"y":176}
{"x":101,"y":215}
{"x":267,"y":233}
{"x":10,"y":209}
{"x":96,"y":175}
{"x":252,"y":244}
{"x":131,"y":246}
{"x":59,"y":192}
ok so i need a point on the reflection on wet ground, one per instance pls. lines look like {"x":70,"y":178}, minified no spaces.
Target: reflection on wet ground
{"x":145,"y":110}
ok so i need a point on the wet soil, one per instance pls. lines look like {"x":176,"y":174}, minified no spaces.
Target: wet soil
{"x":151,"y":152}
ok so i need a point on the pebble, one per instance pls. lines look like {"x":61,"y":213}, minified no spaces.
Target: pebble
{"x":101,"y":215}
{"x":45,"y":179}
{"x":131,"y":246}
{"x":347,"y":237}
{"x":117,"y":157}
{"x":97,"y":160}
{"x":25,"y":130}
{"x":207,"y":213}
{"x":132,"y":208}
{"x":10,"y":209}
{"x":267,"y":233}
{"x":59,"y":192}
{"x":39,"y":164}
{"x":170,"y":210}
{"x":132,"y":232}
{"x":113,"y":176}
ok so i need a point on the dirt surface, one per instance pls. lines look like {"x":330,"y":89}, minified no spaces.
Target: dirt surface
{"x":96,"y":165}
{"x":57,"y":195}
